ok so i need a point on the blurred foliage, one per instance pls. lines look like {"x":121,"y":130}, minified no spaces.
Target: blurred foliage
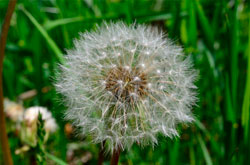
{"x":214,"y":33}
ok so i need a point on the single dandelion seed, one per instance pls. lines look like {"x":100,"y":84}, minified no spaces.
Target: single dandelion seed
{"x":143,"y":65}
{"x":135,"y":95}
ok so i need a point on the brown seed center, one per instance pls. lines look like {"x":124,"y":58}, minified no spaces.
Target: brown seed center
{"x":126,"y":84}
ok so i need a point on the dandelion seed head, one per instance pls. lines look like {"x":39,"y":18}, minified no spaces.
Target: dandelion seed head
{"x":13,"y":110}
{"x":31,"y":117}
{"x":127,"y":84}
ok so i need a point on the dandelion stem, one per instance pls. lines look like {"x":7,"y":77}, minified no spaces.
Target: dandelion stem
{"x":115,"y":157}
{"x":3,"y":135}
{"x":101,"y":154}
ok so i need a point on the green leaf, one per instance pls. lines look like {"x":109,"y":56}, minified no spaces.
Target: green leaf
{"x":55,"y":159}
{"x":230,"y":114}
{"x":233,"y":50}
{"x":246,"y":100}
{"x":44,"y":33}
{"x":192,"y":29}
{"x":192,"y":155}
{"x":207,"y":30}
{"x":157,"y":17}
{"x":53,"y":24}
{"x":175,"y":152}
{"x":204,"y":151}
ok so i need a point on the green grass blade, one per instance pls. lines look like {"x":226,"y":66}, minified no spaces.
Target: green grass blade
{"x":55,"y":159}
{"x":49,"y":40}
{"x":184,"y":24}
{"x":204,"y":151}
{"x":192,"y":155}
{"x":189,"y":25}
{"x":246,"y":100}
{"x":55,"y":23}
{"x":207,"y":30}
{"x":201,"y":127}
{"x":175,"y":152}
{"x":214,"y":144}
{"x":234,"y":47}
{"x":128,"y":11}
{"x":157,"y":17}
{"x":230,"y":115}
{"x":210,"y":58}
{"x":192,"y":30}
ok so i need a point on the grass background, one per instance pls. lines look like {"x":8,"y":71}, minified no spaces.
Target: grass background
{"x":216,"y":33}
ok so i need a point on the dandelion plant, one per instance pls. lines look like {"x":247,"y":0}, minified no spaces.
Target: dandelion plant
{"x":126,"y":84}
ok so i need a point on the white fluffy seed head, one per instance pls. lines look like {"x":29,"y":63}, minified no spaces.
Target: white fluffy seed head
{"x":31,"y":117}
{"x":141,"y":99}
{"x":13,"y":110}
